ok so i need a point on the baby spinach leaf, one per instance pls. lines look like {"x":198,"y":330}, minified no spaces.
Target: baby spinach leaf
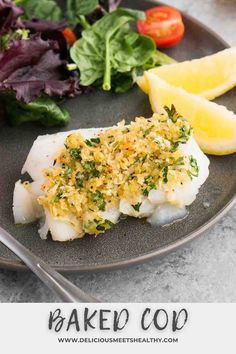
{"x":157,"y":59}
{"x":77,"y":8}
{"x":122,"y":82}
{"x":46,"y":9}
{"x":110,"y":47}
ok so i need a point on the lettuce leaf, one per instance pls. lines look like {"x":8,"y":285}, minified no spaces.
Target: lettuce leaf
{"x":9,"y":16}
{"x":43,"y":110}
{"x":35,"y":66}
{"x":110,"y":5}
{"x":41,"y":25}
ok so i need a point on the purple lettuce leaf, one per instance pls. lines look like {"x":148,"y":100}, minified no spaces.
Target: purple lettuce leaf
{"x":109,"y":5}
{"x":52,"y":30}
{"x":35,"y":66}
{"x":113,"y":4}
{"x":9,"y":16}
{"x":104,"y":7}
{"x":40,"y":25}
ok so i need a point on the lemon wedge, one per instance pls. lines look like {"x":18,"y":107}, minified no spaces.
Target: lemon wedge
{"x":209,"y":76}
{"x":214,"y":126}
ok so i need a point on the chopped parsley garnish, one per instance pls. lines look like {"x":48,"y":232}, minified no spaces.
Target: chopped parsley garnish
{"x":150,"y":185}
{"x":174,"y":146}
{"x":160,"y":145}
{"x":90,"y":168}
{"x":148,"y":180}
{"x":194,"y":172}
{"x":79,"y":180}
{"x":98,"y":199}
{"x":144,"y":158}
{"x":179,"y":161}
{"x":100,"y":225}
{"x":185,"y":133}
{"x":146,"y":131}
{"x":165,"y":174}
{"x":172,"y":113}
{"x":67,"y":171}
{"x":107,"y":224}
{"x":137,"y":206}
{"x":93,"y":142}
{"x":58,"y":196}
{"x":75,"y":154}
{"x":96,"y":140}
{"x":193,"y":163}
{"x":125,"y":131}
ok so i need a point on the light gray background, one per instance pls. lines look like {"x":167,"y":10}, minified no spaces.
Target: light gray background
{"x":203,"y":271}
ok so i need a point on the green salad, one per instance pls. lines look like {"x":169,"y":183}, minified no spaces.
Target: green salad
{"x":48,"y":53}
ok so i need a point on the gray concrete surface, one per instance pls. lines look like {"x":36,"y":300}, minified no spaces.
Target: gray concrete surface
{"x":203,"y":271}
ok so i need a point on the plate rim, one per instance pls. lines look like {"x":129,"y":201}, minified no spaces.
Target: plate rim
{"x":20,"y":266}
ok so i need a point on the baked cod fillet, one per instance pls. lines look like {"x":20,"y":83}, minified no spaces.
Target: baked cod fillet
{"x":83,"y":180}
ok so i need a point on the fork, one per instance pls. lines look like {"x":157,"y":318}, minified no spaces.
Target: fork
{"x":60,"y":286}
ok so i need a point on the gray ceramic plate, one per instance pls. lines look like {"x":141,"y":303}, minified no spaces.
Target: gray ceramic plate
{"x":132,"y":240}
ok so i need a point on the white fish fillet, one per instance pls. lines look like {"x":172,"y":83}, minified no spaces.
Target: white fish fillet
{"x":155,"y":207}
{"x":25,"y":206}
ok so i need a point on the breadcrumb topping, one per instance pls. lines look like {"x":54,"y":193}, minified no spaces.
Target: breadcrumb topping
{"x":122,"y":162}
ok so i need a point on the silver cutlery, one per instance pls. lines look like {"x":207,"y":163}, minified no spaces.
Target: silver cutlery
{"x":62,"y":287}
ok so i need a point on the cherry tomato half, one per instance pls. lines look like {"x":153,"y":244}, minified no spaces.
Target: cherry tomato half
{"x":69,"y":36}
{"x":163,"y":24}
